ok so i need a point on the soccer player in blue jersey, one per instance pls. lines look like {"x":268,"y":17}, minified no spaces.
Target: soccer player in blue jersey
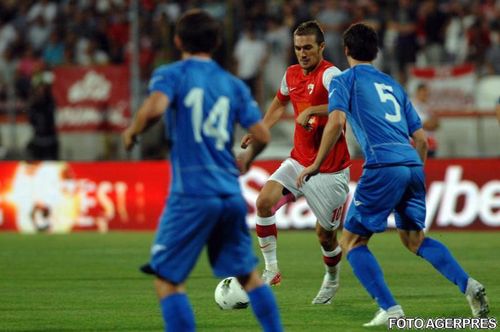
{"x":383,"y":120}
{"x":201,"y":103}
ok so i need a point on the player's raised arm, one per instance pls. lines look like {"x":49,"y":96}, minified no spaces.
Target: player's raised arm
{"x":149,"y":113}
{"x":333,"y":129}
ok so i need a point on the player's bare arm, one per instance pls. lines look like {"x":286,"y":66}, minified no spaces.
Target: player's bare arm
{"x":420,"y":140}
{"x":304,"y":116}
{"x":331,"y":134}
{"x":149,"y":113}
{"x":273,"y":115}
{"x":260,"y":138}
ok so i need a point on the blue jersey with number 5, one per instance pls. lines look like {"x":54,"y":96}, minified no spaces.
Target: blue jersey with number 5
{"x":380,"y":114}
{"x":205,"y":104}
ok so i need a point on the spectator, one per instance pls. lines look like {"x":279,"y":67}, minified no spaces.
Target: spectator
{"x":8,"y":34}
{"x":250,"y":55}
{"x":456,"y":46}
{"x":43,"y":8}
{"x":170,"y":9}
{"x":29,"y":63}
{"x":53,"y":52}
{"x":492,"y":58}
{"x":430,"y":122}
{"x":20,"y":20}
{"x":91,"y":54}
{"x":404,"y":23}
{"x":8,"y":65}
{"x":478,"y":38}
{"x":434,"y":25}
{"x":277,"y":38}
{"x":26,"y":67}
{"x":334,"y":19}
{"x":41,"y":113}
{"x":39,"y":33}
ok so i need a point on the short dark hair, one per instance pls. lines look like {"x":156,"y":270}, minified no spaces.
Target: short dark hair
{"x":199,"y":32}
{"x":361,"y":42}
{"x":421,"y":86}
{"x":310,"y":28}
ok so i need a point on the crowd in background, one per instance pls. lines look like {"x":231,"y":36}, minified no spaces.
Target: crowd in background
{"x":40,"y":34}
{"x":95,"y":32}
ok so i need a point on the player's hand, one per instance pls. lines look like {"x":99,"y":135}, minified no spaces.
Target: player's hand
{"x":246,"y":141}
{"x":303,"y":119}
{"x":243,"y":162}
{"x":129,"y":139}
{"x":306,"y":174}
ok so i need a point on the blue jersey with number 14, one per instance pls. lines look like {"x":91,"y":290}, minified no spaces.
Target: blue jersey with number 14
{"x":380,"y":114}
{"x":205,"y":104}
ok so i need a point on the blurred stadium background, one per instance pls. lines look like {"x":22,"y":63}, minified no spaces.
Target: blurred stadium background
{"x":73,"y":71}
{"x":97,"y":55}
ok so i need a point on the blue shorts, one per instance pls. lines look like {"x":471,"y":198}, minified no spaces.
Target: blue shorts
{"x":188,"y":223}
{"x":382,"y":190}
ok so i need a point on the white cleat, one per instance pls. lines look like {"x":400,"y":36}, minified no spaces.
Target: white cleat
{"x":272,"y":278}
{"x":382,"y":316}
{"x":327,"y":291}
{"x":476,"y":296}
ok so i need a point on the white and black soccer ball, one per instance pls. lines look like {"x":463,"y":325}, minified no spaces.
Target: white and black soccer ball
{"x":230,"y":295}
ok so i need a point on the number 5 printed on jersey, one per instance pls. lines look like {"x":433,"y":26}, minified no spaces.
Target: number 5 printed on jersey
{"x":215,"y":125}
{"x":386,"y":96}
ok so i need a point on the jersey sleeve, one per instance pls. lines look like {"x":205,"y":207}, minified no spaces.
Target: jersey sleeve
{"x":283,"y":93}
{"x":339,"y":97}
{"x":329,"y":74}
{"x":248,"y":110}
{"x":412,"y":118}
{"x":163,"y":80}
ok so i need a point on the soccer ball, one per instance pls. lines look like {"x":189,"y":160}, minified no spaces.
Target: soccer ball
{"x":230,"y":295}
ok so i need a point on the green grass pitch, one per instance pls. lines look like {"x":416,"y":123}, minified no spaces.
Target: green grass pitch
{"x":90,"y":282}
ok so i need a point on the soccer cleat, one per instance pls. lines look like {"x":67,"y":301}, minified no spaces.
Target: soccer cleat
{"x":147,"y":269}
{"x":272,"y":278}
{"x":382,"y":316}
{"x":476,"y":296}
{"x":327,"y":291}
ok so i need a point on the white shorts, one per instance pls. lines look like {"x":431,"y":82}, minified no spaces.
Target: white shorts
{"x":325,"y":193}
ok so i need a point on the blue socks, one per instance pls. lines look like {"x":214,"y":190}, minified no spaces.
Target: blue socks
{"x":440,"y":257}
{"x":177,"y":313}
{"x":369,"y":273}
{"x":265,"y":308}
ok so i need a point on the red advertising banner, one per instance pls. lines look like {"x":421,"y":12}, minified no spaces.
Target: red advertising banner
{"x":92,"y":98}
{"x":61,"y":197}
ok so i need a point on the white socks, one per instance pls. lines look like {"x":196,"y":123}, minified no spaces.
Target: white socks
{"x":268,"y":244}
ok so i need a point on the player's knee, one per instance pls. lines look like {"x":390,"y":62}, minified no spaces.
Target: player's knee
{"x":243,"y":280}
{"x":327,"y":240}
{"x":250,"y":281}
{"x":412,"y":240}
{"x":345,"y":246}
{"x":264,"y":205}
{"x":412,"y":244}
{"x":165,"y":288}
{"x":349,"y":243}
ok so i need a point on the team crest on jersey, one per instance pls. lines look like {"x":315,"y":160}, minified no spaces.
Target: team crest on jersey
{"x":310,"y":88}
